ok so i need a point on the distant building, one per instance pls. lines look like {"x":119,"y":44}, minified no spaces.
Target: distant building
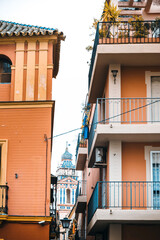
{"x":66,"y":185}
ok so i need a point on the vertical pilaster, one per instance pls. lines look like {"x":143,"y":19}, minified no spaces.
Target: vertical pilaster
{"x":115,"y":92}
{"x":42,"y":77}
{"x":30,"y":83}
{"x":115,"y":172}
{"x":18,"y":90}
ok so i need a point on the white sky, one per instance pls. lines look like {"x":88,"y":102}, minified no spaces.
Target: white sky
{"x":73,"y":18}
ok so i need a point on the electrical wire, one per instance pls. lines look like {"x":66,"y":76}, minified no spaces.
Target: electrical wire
{"x":104,"y":120}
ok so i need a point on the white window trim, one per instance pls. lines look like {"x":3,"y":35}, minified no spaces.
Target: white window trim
{"x":148,"y":75}
{"x":147,"y":154}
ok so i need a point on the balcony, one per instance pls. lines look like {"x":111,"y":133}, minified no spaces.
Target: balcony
{"x":123,"y":201}
{"x":3,"y":200}
{"x":81,"y":196}
{"x":81,"y":152}
{"x":121,"y":43}
{"x":125,"y":119}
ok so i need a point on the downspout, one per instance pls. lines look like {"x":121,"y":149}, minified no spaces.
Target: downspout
{"x":46,"y":140}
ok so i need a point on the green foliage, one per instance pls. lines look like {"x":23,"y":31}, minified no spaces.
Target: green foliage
{"x":89,"y":48}
{"x":139,"y":28}
{"x":110,"y":13}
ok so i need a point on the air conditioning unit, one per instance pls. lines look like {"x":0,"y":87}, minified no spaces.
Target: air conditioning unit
{"x":99,"y":155}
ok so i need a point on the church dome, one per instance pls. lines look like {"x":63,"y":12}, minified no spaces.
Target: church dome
{"x":67,"y":155}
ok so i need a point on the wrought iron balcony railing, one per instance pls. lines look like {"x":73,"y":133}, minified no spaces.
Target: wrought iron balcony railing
{"x":125,"y":32}
{"x":132,"y":195}
{"x":3,"y":199}
{"x":80,"y":143}
{"x":124,"y":111}
{"x":81,"y":188}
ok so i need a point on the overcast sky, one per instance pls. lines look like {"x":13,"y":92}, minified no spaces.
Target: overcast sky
{"x":74,"y":18}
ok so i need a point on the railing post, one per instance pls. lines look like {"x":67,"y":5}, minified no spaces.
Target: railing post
{"x":130,"y":111}
{"x":130,"y":195}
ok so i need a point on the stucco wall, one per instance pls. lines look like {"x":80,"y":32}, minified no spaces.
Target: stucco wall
{"x":24,"y":128}
{"x":133,"y":160}
{"x":133,"y":81}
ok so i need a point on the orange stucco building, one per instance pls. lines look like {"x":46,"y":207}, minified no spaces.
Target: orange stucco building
{"x":29,"y":58}
{"x":121,"y":158}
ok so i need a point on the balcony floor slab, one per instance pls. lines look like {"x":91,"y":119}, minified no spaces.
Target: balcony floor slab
{"x":123,"y":132}
{"x":103,"y":217}
{"x":81,"y":158}
{"x":81,"y":204}
{"x":147,"y":54}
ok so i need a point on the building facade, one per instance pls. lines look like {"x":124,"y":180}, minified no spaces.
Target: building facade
{"x":29,"y":58}
{"x":121,"y":158}
{"x":66,"y":185}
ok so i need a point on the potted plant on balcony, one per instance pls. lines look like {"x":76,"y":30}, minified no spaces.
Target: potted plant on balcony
{"x":111,"y":16}
{"x":135,"y":28}
{"x":106,"y":30}
{"x":140,"y":29}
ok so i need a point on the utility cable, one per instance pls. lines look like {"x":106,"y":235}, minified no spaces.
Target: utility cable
{"x":106,"y":119}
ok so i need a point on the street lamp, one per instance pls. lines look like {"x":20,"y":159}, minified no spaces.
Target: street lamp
{"x":65,"y":222}
{"x":114,"y":72}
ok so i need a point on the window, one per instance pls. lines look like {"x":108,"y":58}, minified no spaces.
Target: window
{"x":5,"y":71}
{"x":64,"y":193}
{"x":155,"y":93}
{"x":68,"y":196}
{"x":155,"y":155}
{"x":60,"y":195}
{"x":62,"y":207}
{"x":72,"y":196}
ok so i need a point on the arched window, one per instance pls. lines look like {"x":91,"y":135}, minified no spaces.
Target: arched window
{"x":5,"y":70}
{"x":68,"y":196}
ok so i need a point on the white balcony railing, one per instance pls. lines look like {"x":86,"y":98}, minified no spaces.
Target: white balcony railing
{"x":124,"y":111}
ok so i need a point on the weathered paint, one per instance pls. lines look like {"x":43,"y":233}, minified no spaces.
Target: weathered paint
{"x":30,"y":83}
{"x":18,"y":90}
{"x":42,"y":77}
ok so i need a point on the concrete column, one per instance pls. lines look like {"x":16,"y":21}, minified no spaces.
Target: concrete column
{"x":115,"y":92}
{"x":115,"y":232}
{"x":115,"y":172}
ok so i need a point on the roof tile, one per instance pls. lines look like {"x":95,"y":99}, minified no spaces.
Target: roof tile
{"x":16,"y":29}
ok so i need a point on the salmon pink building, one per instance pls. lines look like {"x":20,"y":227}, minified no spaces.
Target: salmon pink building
{"x":29,"y":58}
{"x":121,"y":158}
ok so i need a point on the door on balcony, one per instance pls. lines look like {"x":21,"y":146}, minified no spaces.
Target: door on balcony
{"x":155,"y":161}
{"x":155,"y":103}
